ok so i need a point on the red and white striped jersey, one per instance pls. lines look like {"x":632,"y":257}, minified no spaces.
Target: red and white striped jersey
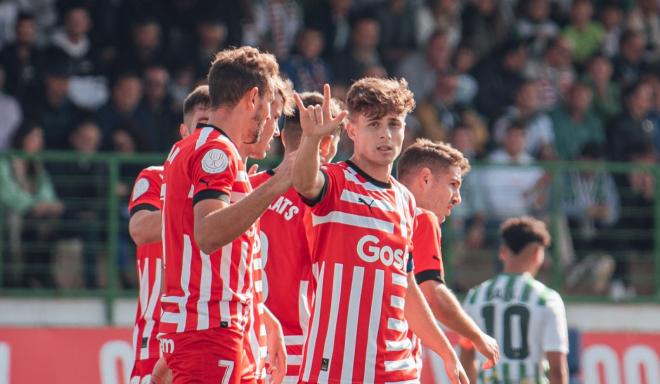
{"x":257,"y":342}
{"x":149,"y":259}
{"x":428,"y":258}
{"x":204,"y":291}
{"x":287,"y":267}
{"x":362,"y":231}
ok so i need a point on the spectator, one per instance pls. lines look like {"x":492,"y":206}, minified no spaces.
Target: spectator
{"x":22,"y":60}
{"x":611,"y":17}
{"x":439,"y":14}
{"x":511,"y":191}
{"x":11,"y":113}
{"x":54,"y":109}
{"x":539,"y":136}
{"x":575,"y":124}
{"x":331,"y":17}
{"x":307,"y":69}
{"x":211,"y":38}
{"x":554,"y":73}
{"x":483,"y":18}
{"x":628,"y":64}
{"x":536,"y":26}
{"x":27,"y":193}
{"x":275,"y":26}
{"x":157,"y":109}
{"x":591,"y":203}
{"x":398,"y":32}
{"x":440,"y":113}
{"x":81,"y":186}
{"x":645,"y":18}
{"x":607,"y":95}
{"x":72,"y":41}
{"x":361,"y":54}
{"x":585,"y":35}
{"x":144,"y":49}
{"x":632,"y":126}
{"x":498,"y":77}
{"x":420,"y":69}
{"x":123,"y":110}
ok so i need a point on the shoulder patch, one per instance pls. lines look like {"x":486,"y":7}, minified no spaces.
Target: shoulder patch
{"x":215,"y":161}
{"x":141,"y":186}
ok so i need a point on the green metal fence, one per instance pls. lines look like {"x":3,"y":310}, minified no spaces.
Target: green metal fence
{"x":101,"y":184}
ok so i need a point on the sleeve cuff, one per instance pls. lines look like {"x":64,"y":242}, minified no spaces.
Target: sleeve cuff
{"x":430,"y":274}
{"x":210,"y":194}
{"x":141,"y":207}
{"x":317,"y":199}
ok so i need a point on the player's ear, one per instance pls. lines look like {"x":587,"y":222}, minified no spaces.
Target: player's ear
{"x":350,"y":130}
{"x":503,"y":253}
{"x":183,"y":130}
{"x":251,"y":98}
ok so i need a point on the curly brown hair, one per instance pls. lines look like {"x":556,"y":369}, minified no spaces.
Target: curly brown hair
{"x":431,"y":154}
{"x":376,"y":97}
{"x":518,"y":232}
{"x":292,"y":129}
{"x":284,"y":89}
{"x":235,"y":71}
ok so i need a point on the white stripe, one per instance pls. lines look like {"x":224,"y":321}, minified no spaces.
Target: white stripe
{"x":354,"y":220}
{"x":294,"y":340}
{"x":204,"y":292}
{"x":289,"y":380}
{"x":351,"y":176}
{"x":399,"y":365}
{"x":191,"y":193}
{"x":263,"y":351}
{"x":398,"y":345}
{"x":242,"y":176}
{"x":397,"y":302}
{"x":258,"y":286}
{"x":225,"y":265}
{"x":403,"y":382}
{"x":311,"y":341}
{"x":185,"y":281}
{"x":397,"y":325}
{"x":242,"y":267}
{"x":303,"y":309}
{"x":369,"y":201}
{"x":374,"y":325}
{"x":328,"y":346}
{"x":203,"y":136}
{"x":144,"y":287}
{"x":256,"y":263}
{"x":151,"y":307}
{"x":400,"y":201}
{"x":294,"y":359}
{"x":400,"y":279}
{"x":352,"y":324}
{"x":262,"y":330}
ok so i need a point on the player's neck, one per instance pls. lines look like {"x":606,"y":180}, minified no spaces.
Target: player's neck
{"x":513,"y":269}
{"x":376,"y":171}
{"x":231,"y":123}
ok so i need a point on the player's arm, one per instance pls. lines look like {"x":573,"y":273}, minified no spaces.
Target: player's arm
{"x":276,"y":347}
{"x":558,"y":362}
{"x":449,"y":312}
{"x":144,"y":226}
{"x":316,"y":122}
{"x":421,"y":321}
{"x":218,"y":223}
{"x":469,"y":363}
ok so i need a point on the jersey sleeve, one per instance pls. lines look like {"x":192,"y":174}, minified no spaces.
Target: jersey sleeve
{"x":213,"y":170}
{"x":146,"y":191}
{"x":427,"y":249}
{"x":333,"y":178}
{"x":555,"y":329}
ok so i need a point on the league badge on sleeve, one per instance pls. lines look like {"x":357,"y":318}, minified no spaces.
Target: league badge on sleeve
{"x":215,"y":161}
{"x":141,"y":186}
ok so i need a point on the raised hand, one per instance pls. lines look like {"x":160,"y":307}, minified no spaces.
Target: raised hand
{"x":317,"y":120}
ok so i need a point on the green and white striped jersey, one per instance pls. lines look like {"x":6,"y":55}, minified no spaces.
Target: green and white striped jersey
{"x":526,"y":318}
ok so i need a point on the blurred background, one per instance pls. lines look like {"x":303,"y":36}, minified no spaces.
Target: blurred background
{"x":555,"y":102}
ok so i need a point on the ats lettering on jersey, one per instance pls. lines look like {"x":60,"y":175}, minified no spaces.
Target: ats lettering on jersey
{"x":285,"y":207}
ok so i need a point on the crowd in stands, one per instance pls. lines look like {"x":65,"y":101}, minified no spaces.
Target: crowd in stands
{"x":507,"y":82}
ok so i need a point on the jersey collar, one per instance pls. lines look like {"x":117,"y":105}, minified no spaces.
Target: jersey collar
{"x":370,"y":179}
{"x":205,"y":125}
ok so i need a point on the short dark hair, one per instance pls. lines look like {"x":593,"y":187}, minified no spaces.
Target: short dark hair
{"x":518,"y":232}
{"x":292,"y":131}
{"x":235,"y":71}
{"x":199,"y":96}
{"x":431,"y":154}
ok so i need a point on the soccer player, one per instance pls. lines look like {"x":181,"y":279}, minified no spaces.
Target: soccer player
{"x":209,"y":216}
{"x":285,"y":255}
{"x":145,"y":229}
{"x":433,"y":172}
{"x":362,"y":223}
{"x":527,"y":318}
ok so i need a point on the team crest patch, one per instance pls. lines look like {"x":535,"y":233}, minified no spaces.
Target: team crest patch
{"x":215,"y":161}
{"x":141,"y":186}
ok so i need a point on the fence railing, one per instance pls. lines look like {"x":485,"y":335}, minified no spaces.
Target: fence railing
{"x":84,"y":249}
